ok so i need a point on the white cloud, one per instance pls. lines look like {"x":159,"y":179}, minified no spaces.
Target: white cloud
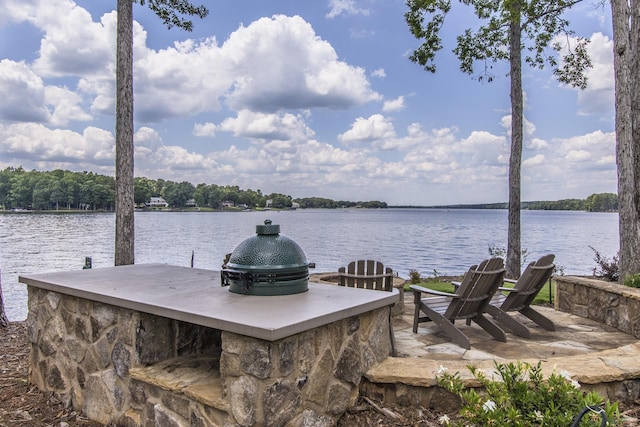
{"x":66,"y":106}
{"x":297,"y":69}
{"x":346,"y":7}
{"x":265,"y":95}
{"x":578,"y":156}
{"x":17,"y":10}
{"x":379,"y":73}
{"x":537,"y":144}
{"x":394,"y":105}
{"x":73,"y":44}
{"x":22,"y":93}
{"x":374,"y":128}
{"x":536,"y":160}
{"x":598,"y":97}
{"x":204,"y":129}
{"x":26,"y":98}
{"x":35,"y":142}
{"x":148,"y":138}
{"x":280,"y":126}
{"x":607,"y":161}
{"x":601,"y":142}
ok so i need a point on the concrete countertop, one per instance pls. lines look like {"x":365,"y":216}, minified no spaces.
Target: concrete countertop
{"x":196,"y":296}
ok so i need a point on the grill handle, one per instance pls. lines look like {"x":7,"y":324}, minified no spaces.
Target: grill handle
{"x":245,"y":276}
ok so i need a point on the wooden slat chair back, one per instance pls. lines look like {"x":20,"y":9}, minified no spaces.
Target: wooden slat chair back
{"x":477,"y":288}
{"x":521,"y":296}
{"x":366,"y":274}
{"x":369,"y":274}
{"x":530,"y":283}
{"x":468,"y":302}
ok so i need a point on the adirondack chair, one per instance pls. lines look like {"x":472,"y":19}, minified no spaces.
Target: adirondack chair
{"x":520,"y":297}
{"x":366,"y":274}
{"x":468,"y":302}
{"x":369,"y":274}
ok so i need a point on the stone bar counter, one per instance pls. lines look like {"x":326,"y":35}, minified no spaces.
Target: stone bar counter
{"x":160,"y":345}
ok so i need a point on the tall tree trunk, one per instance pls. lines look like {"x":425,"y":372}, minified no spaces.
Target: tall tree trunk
{"x":4,"y":322}
{"x":124,"y":244}
{"x":626,"y":61}
{"x":515,"y":161}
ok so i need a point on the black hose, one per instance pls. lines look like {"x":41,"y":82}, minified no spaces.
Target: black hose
{"x":597,"y":409}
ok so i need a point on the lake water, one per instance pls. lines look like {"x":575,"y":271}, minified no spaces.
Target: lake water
{"x":447,"y":241}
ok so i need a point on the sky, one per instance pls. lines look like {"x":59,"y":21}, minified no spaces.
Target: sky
{"x":304,"y":98}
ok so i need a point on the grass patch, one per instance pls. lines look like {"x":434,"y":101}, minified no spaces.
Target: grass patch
{"x":545,"y":296}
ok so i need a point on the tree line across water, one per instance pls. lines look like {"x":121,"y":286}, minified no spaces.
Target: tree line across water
{"x":66,"y":190}
{"x":597,"y":202}
{"x":60,"y":189}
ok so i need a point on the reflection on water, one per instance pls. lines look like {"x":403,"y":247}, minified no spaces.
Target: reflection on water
{"x":446,"y":241}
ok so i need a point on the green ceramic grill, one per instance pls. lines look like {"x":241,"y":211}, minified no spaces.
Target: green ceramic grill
{"x":266,"y":264}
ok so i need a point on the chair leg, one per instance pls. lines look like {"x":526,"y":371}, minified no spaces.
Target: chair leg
{"x":504,"y":318}
{"x":493,"y":329}
{"x":445,"y":325}
{"x":539,"y":319}
{"x":452,"y":332}
{"x":392,"y":337}
{"x":416,"y":311}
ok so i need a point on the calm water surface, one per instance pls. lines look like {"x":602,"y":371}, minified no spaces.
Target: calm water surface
{"x":448,"y":241}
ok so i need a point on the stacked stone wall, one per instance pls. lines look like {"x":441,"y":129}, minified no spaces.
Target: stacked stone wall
{"x":610,"y":303}
{"x":309,"y":377}
{"x":83,"y":351}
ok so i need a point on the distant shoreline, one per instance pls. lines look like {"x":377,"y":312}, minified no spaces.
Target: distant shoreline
{"x":494,"y":206}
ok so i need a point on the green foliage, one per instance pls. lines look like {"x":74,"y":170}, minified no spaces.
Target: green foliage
{"x":557,"y":205}
{"x":602,"y":202}
{"x":55,"y":190}
{"x":414,"y":276}
{"x":606,"y":268}
{"x":496,"y":251}
{"x":633,"y":280}
{"x":544,"y":296}
{"x":539,"y":22}
{"x":522,"y":397}
{"x":429,"y":31}
{"x":170,"y":11}
{"x":437,"y":285}
{"x":60,"y":189}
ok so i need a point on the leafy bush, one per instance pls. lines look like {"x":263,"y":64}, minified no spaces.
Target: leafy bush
{"x":414,"y":276}
{"x":522,"y":397}
{"x":496,"y":251}
{"x":605,"y":268}
{"x":633,"y":280}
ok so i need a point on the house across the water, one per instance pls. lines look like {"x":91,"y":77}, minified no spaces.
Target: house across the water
{"x":157,"y":202}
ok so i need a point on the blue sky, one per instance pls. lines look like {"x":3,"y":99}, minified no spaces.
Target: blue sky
{"x":313,"y":98}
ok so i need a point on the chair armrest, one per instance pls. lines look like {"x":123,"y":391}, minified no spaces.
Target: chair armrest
{"x":422,"y":289}
{"x":365,"y":276}
{"x":510,"y":281}
{"x":456,"y":284}
{"x":502,"y":288}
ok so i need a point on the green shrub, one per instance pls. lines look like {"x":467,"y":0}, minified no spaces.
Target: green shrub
{"x":633,"y":280}
{"x":522,"y":397}
{"x":607,"y":269}
{"x":414,"y":276}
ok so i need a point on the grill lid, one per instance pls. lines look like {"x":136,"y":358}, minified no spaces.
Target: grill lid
{"x":266,"y":264}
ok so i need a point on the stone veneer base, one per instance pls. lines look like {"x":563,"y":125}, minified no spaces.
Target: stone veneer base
{"x":609,"y":303}
{"x":136,"y":369}
{"x":613,"y":373}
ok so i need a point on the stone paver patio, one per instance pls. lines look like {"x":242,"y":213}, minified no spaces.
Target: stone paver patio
{"x":592,"y":353}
